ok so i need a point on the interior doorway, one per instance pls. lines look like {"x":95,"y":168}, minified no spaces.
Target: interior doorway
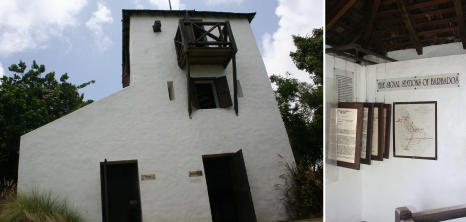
{"x":121,"y":200}
{"x":228,"y":188}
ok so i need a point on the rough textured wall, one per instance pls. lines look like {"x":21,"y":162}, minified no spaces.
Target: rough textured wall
{"x":140,"y":122}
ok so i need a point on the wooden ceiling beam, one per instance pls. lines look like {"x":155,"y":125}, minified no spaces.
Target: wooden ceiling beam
{"x":344,"y":26}
{"x":337,"y":12}
{"x":420,"y":5}
{"x":388,"y":2}
{"x":357,"y":47}
{"x":420,"y":25}
{"x":410,"y":25}
{"x":416,"y":16}
{"x":442,"y":39}
{"x":460,"y":18}
{"x":431,"y":32}
{"x":352,"y":57}
{"x":425,"y":4}
{"x":371,"y":15}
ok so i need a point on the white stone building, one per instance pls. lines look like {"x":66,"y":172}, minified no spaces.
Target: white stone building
{"x":150,"y":129}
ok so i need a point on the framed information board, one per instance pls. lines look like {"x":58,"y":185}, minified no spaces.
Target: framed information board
{"x":349,"y":134}
{"x":387,"y":111}
{"x":415,"y":130}
{"x":377,"y":133}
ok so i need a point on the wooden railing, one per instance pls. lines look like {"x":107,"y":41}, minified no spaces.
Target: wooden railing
{"x":209,"y":40}
{"x":404,"y":214}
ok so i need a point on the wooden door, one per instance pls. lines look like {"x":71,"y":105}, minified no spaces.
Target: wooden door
{"x":243,"y":196}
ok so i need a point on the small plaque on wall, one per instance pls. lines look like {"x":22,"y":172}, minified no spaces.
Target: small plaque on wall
{"x":148,"y":177}
{"x":195,"y":173}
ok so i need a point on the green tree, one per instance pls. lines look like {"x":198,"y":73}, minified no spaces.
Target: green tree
{"x":28,"y":101}
{"x":300,"y":103}
{"x":310,"y":54}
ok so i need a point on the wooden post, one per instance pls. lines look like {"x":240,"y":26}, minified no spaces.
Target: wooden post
{"x":235,"y":85}
{"x":106,"y":191}
{"x":402,"y":213}
{"x":189,"y":85}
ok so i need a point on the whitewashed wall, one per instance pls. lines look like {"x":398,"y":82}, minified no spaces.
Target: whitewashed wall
{"x":343,"y":198}
{"x":422,"y":184}
{"x":376,"y":190}
{"x":140,"y":122}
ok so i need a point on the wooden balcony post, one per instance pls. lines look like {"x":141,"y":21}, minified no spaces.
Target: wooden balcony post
{"x":402,"y":214}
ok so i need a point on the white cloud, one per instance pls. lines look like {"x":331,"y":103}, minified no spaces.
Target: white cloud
{"x":95,"y":23}
{"x":216,"y":2}
{"x":26,"y":24}
{"x":163,"y":4}
{"x":138,"y":4}
{"x":2,"y":72}
{"x":297,"y":17}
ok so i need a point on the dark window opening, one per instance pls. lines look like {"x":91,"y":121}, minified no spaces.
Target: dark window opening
{"x":122,"y":190}
{"x":210,"y":93}
{"x":205,"y":95}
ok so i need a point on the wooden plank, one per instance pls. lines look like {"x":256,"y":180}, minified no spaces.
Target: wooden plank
{"x":460,"y":18}
{"x":353,"y":57}
{"x":424,"y":42}
{"x":427,"y":3}
{"x":420,"y":5}
{"x":344,"y":26}
{"x":359,"y":48}
{"x":431,"y":32}
{"x":402,"y":213}
{"x":420,"y":25}
{"x":341,"y":48}
{"x":235,"y":85}
{"x":410,"y":25}
{"x":388,"y":2}
{"x":440,"y":214}
{"x":337,"y":12}
{"x":370,"y":23}
{"x":416,"y":16}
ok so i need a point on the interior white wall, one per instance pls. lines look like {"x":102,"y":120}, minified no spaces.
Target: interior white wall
{"x":343,"y":198}
{"x":422,"y":184}
{"x":140,"y":122}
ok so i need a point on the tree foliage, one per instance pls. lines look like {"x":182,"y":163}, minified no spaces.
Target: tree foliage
{"x":300,"y":103}
{"x":310,"y":54}
{"x":28,"y":101}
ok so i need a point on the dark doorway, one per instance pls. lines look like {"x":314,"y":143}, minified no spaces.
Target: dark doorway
{"x":121,"y":200}
{"x":228,"y":188}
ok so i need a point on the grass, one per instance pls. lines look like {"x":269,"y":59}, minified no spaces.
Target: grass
{"x":36,"y":206}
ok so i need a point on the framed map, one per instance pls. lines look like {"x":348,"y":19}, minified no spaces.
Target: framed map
{"x":415,"y":130}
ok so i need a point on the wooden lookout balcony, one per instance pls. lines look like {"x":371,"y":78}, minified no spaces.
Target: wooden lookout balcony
{"x":204,"y":43}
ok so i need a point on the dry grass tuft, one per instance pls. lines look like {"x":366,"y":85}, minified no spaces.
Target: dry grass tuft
{"x":35,"y":206}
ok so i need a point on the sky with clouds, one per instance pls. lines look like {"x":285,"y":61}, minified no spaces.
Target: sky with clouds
{"x":83,"y":37}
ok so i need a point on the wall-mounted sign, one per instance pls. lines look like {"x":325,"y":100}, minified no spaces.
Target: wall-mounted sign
{"x":195,"y":173}
{"x":419,"y":82}
{"x":148,"y":177}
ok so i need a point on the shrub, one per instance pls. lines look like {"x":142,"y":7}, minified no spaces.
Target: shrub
{"x":302,"y":191}
{"x":38,"y":206}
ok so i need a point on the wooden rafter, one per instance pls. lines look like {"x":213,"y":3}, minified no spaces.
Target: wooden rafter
{"x":337,"y":12}
{"x":370,"y":24}
{"x":460,"y":18}
{"x":410,"y":25}
{"x":411,"y":7}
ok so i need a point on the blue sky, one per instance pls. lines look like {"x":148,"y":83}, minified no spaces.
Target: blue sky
{"x":83,"y":37}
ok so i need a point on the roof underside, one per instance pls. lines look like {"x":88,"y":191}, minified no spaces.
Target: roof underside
{"x":389,"y":25}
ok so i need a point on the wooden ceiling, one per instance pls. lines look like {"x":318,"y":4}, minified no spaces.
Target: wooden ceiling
{"x":388,"y":25}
